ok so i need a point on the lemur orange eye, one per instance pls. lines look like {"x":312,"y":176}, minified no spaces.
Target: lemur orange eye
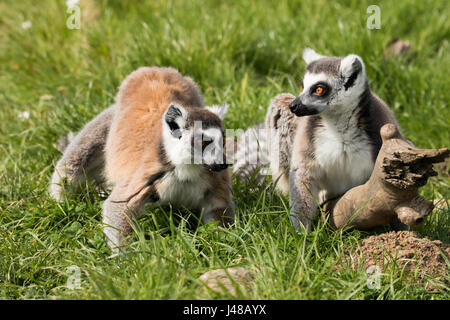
{"x":319,"y":90}
{"x":302,"y":88}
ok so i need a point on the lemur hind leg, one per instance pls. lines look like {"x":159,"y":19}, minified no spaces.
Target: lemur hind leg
{"x":84,"y":156}
{"x":301,"y":199}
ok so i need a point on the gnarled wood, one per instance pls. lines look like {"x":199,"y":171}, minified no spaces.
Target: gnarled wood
{"x":392,"y":190}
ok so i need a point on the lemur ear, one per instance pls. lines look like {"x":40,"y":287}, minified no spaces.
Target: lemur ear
{"x":351,"y":67}
{"x":175,"y":118}
{"x":309,"y":55}
{"x":220,"y":111}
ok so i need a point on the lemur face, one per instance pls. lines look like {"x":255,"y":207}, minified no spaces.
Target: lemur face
{"x":330,"y":84}
{"x":195,"y":136}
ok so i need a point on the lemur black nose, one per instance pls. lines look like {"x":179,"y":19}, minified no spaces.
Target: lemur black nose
{"x":294,"y":105}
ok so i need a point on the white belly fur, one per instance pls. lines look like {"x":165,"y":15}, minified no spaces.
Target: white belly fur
{"x":184,"y":187}
{"x":343,"y":162}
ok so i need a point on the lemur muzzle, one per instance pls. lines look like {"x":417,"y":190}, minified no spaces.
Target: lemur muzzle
{"x":300,"y":109}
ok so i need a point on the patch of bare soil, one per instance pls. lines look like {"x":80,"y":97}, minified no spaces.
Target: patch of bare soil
{"x":404,"y":250}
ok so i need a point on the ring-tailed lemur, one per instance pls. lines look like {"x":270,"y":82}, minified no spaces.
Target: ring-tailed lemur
{"x":332,"y":144}
{"x":158,"y":144}
{"x":338,"y":132}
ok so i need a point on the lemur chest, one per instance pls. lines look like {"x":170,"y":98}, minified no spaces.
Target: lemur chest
{"x":343,"y":159}
{"x":183,"y":187}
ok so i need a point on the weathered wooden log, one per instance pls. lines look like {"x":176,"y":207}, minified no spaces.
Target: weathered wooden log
{"x":392,"y":190}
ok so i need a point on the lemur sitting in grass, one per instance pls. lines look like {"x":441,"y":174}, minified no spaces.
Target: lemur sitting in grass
{"x":327,"y":138}
{"x":157,"y":144}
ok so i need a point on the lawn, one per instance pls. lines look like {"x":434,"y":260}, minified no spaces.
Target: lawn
{"x":54,"y":80}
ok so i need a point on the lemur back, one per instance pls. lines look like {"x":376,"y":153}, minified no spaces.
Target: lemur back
{"x":136,"y":130}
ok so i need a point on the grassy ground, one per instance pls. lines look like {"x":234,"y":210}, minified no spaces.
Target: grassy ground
{"x":241,"y":52}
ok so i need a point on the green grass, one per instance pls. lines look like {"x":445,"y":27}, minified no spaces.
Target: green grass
{"x":240,"y":52}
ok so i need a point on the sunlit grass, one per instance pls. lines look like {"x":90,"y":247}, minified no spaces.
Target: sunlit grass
{"x":240,"y":52}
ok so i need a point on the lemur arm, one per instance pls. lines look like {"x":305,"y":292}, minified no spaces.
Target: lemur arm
{"x":224,"y":214}
{"x":83,"y":157}
{"x":118,"y":215}
{"x":127,"y":201}
{"x":290,"y":177}
{"x":219,"y":205}
{"x":301,"y":199}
